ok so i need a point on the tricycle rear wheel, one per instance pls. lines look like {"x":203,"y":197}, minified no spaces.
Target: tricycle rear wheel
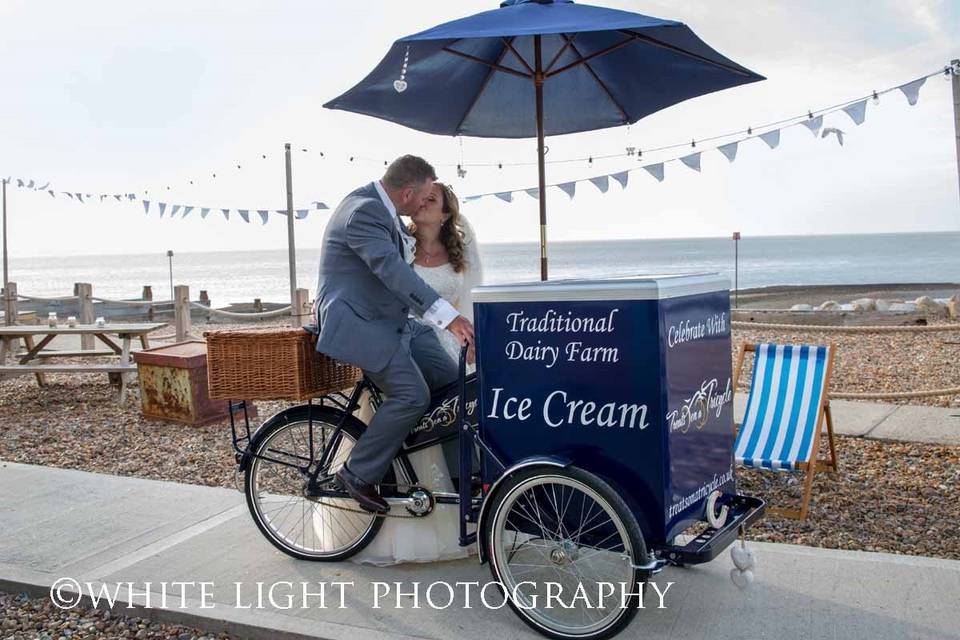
{"x":300,"y":527}
{"x":569,"y":528}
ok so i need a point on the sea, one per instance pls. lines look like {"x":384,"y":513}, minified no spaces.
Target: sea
{"x":240,"y":276}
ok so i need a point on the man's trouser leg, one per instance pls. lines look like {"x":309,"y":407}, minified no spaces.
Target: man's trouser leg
{"x":418,"y":365}
{"x":406,"y":398}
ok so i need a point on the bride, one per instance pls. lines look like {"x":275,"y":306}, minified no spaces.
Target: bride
{"x":448,"y":259}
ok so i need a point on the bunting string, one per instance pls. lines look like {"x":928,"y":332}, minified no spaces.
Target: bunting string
{"x":769,"y":133}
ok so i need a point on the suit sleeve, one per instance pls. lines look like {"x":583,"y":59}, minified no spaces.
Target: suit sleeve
{"x":370,"y":236}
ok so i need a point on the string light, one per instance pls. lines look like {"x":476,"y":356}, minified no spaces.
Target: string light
{"x":948,"y":72}
{"x":401,"y":85}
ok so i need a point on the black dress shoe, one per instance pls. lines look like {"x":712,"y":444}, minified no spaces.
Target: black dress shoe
{"x":364,"y":493}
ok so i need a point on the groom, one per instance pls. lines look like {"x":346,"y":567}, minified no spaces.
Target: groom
{"x":367,"y":287}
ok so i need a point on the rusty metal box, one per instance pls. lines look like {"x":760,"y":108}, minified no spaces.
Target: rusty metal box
{"x":173,"y":384}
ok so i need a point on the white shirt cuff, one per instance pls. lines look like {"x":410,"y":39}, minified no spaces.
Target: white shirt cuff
{"x":440,"y":314}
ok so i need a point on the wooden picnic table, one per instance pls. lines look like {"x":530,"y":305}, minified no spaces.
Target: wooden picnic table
{"x":24,"y":362}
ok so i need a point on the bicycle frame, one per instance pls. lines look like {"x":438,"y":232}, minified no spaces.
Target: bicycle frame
{"x":467,"y":436}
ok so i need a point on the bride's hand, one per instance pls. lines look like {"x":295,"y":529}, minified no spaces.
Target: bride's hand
{"x":471,"y":355}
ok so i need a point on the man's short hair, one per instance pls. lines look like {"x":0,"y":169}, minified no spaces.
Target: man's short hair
{"x":408,"y":171}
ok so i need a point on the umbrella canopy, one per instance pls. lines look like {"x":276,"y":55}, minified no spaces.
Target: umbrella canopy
{"x":537,"y":68}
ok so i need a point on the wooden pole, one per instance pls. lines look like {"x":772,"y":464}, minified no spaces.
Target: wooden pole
{"x":6,"y":274}
{"x":291,"y":244}
{"x":170,"y":259}
{"x":147,"y":294}
{"x":955,"y":66}
{"x":84,"y":293}
{"x":10,"y":312}
{"x":181,"y":311}
{"x":300,"y":309}
{"x":538,"y":79}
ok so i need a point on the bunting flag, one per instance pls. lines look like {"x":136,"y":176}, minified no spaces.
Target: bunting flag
{"x":302,"y":213}
{"x":569,"y":188}
{"x":226,"y":213}
{"x":814,"y":124}
{"x":146,"y":206}
{"x":692,"y":161}
{"x":245,"y":214}
{"x":162,"y":206}
{"x":174,"y":209}
{"x":320,"y":205}
{"x":264,"y":214}
{"x":857,"y":111}
{"x":186,"y":211}
{"x":835,"y":131}
{"x":622,"y":178}
{"x":601,"y":182}
{"x":203,"y":212}
{"x":656,"y":170}
{"x":912,"y":90}
{"x":506,"y":196}
{"x":729,"y":150}
{"x":533,"y":193}
{"x":772,"y":138}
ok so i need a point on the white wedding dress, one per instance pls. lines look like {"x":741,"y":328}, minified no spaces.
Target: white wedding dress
{"x":436,"y":536}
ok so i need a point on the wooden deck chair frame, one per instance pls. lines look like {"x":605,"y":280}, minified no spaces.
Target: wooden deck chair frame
{"x":813,"y":465}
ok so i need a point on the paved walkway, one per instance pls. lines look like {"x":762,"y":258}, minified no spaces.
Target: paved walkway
{"x":907,"y":423}
{"x":108,"y":529}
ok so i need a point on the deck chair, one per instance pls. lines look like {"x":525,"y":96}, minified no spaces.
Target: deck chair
{"x":785,"y":413}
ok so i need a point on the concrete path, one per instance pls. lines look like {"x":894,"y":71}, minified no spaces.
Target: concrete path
{"x":907,"y":423}
{"x":107,"y":529}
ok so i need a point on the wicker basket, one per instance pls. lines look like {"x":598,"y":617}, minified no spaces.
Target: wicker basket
{"x":272,"y":364}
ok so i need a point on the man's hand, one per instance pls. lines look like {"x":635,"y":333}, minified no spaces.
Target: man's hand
{"x":463,"y":330}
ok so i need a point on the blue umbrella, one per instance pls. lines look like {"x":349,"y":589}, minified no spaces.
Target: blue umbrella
{"x":538,"y":68}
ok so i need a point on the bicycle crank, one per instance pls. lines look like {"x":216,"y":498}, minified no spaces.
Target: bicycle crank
{"x":417,"y":501}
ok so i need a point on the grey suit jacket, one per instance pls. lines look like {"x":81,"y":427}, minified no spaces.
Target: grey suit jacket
{"x":366,"y":289}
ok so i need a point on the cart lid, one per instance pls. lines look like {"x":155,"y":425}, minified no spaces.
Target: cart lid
{"x":180,"y":355}
{"x":645,"y":287}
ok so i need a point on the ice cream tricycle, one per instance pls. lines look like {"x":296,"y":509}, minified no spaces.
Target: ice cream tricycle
{"x":601,"y":412}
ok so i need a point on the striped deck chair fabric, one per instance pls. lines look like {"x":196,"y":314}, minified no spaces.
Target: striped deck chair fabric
{"x":782,"y":417}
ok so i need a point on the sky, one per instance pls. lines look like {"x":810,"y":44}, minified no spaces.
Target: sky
{"x":156,"y":98}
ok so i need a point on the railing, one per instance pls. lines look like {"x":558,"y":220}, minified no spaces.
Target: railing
{"x":181,"y":307}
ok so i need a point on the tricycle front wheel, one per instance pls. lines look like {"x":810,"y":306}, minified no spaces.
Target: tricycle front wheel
{"x":565,"y":547}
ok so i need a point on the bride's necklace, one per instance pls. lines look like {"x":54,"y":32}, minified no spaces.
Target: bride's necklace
{"x":429,"y":257}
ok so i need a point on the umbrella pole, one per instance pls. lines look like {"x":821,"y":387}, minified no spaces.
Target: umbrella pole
{"x":542,"y":191}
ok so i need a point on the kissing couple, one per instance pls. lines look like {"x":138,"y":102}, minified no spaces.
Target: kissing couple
{"x":394,"y":300}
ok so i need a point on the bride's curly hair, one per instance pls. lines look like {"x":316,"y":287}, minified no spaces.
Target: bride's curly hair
{"x":451,"y":232}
